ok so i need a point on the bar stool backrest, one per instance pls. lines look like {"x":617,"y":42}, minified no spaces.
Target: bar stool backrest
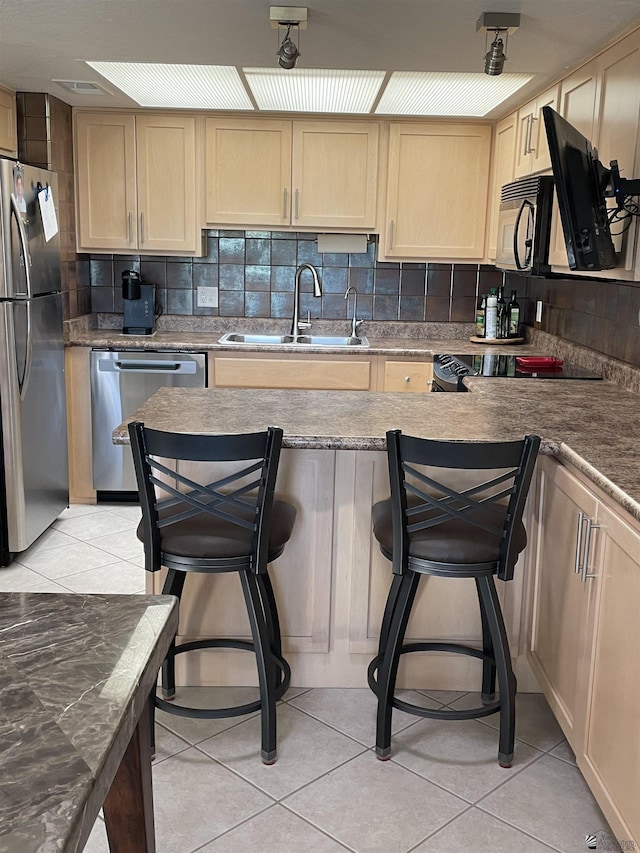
{"x":242,"y":497}
{"x":497,"y":477}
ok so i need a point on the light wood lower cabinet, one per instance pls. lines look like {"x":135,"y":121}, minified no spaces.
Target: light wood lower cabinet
{"x":583,"y":646}
{"x":258,"y":370}
{"x":407,"y":376}
{"x":331,"y":372}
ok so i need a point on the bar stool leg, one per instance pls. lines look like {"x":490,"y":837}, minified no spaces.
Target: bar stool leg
{"x":488,"y":667}
{"x":389,"y":610}
{"x":173,"y":585}
{"x":506,"y":678}
{"x":404,"y":594}
{"x":266,"y":665}
{"x":271,"y":617}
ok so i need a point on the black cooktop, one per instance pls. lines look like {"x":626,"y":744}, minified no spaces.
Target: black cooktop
{"x":455,"y":367}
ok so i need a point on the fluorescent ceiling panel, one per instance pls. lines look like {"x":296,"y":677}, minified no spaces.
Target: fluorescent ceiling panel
{"x":314,"y":90}
{"x":197,"y":87}
{"x":447,"y":93}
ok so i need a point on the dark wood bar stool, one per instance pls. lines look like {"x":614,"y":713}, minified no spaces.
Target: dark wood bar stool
{"x":430,"y":528}
{"x":231,"y":523}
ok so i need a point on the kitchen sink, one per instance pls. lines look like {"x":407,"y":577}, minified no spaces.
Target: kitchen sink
{"x":291,"y":340}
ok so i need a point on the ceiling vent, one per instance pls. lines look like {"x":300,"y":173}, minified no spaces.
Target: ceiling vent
{"x":83,"y":87}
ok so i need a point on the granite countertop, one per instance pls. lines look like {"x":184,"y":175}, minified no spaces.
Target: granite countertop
{"x":75,"y":675}
{"x":593,"y":425}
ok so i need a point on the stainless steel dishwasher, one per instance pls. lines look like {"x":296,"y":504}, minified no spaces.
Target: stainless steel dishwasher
{"x":120,"y":383}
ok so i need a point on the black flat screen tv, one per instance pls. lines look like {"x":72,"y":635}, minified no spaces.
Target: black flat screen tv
{"x":581,"y":183}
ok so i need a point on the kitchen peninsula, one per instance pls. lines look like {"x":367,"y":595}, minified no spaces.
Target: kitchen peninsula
{"x":568,"y":611}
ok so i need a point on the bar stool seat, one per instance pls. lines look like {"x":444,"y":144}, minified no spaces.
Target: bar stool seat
{"x":431,"y":527}
{"x":231,"y":523}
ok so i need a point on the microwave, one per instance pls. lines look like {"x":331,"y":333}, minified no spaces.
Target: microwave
{"x":524,"y":225}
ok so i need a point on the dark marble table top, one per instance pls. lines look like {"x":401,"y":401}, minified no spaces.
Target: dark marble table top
{"x":75,"y":674}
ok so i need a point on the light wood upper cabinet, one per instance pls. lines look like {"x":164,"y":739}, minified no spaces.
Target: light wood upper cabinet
{"x":165,"y":164}
{"x":436,"y":191}
{"x":602,"y":100}
{"x":532,"y":151}
{"x":279,"y":173}
{"x":335,"y":174}
{"x":502,"y":172}
{"x":135,"y":183}
{"x":247,"y":171}
{"x":8,"y":126}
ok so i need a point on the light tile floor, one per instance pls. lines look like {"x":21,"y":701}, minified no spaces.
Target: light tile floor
{"x":441,"y":791}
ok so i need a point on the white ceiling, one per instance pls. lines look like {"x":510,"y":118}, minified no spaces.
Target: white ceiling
{"x":41,"y":40}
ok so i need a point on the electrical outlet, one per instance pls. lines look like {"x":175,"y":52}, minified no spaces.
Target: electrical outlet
{"x":538,"y":311}
{"x":207,"y":297}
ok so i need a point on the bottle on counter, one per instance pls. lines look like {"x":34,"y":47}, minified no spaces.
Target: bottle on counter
{"x":503,"y":316}
{"x":480,"y":312}
{"x":514,"y":317}
{"x":491,"y":317}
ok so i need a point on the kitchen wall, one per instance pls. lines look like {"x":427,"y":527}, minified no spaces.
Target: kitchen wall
{"x":45,"y":139}
{"x":599,"y":314}
{"x":254,"y":271}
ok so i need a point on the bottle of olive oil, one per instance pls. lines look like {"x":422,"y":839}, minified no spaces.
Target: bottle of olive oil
{"x":514,"y":317}
{"x":503,"y":319}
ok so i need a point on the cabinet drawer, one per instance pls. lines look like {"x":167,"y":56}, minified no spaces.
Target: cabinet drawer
{"x":298,"y":373}
{"x":408,"y":376}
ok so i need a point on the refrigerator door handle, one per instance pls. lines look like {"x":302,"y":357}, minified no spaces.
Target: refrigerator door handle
{"x":23,"y":383}
{"x":25,"y":247}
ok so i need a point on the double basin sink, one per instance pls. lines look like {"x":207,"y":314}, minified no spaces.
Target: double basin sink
{"x":293,"y":340}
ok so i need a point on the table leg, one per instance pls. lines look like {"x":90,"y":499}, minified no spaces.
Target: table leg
{"x":128,"y":807}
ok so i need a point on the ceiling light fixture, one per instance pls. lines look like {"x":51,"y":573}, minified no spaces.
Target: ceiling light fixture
{"x":288,"y":52}
{"x":498,"y":23}
{"x":288,"y":16}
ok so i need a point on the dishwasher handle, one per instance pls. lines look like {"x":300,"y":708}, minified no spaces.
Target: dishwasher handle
{"x":184,"y":367}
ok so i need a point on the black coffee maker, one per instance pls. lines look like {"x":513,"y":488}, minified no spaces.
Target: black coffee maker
{"x":139,"y":305}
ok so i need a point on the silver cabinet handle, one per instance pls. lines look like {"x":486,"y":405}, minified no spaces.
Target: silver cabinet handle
{"x":391,"y":234}
{"x":578,"y":564}
{"x":297,"y":199}
{"x":130,"y":217}
{"x":527,"y":136}
{"x":407,"y":379}
{"x":142,"y":227}
{"x":531,"y":150}
{"x":285,"y":194}
{"x":585,"y":575}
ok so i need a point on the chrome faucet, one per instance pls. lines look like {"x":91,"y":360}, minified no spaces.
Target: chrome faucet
{"x":298,"y":325}
{"x":354,"y":322}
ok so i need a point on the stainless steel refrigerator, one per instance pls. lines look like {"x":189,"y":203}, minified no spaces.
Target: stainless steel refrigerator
{"x":34,"y":486}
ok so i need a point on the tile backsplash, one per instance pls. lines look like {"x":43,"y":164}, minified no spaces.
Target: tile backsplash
{"x":253,"y":273}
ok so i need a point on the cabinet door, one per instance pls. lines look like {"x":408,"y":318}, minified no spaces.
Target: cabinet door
{"x":248,"y":172}
{"x":335,"y":174}
{"x":504,"y":153}
{"x":408,"y":376}
{"x":577,"y":104}
{"x":8,"y":126}
{"x":437,"y":191}
{"x":560,"y":598}
{"x":618,"y":111}
{"x":165,"y":147}
{"x":611,"y":758}
{"x":106,"y":207}
{"x":538,"y":147}
{"x":293,"y":371}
